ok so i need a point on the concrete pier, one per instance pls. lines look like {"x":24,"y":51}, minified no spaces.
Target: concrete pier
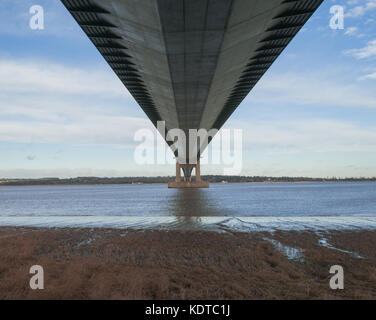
{"x":187,"y":181}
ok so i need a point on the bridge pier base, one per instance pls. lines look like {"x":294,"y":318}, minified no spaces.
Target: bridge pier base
{"x":187,"y":180}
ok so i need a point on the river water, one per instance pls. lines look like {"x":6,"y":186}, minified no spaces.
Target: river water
{"x":237,"y":206}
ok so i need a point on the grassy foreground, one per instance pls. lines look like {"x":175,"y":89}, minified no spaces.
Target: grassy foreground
{"x":130,"y":264}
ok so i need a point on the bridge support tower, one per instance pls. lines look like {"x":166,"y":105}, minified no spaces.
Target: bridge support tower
{"x":186,"y":181}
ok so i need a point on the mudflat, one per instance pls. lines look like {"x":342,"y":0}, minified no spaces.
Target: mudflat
{"x":171,"y":264}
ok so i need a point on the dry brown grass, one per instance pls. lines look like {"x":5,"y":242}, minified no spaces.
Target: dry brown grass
{"x":128,"y":264}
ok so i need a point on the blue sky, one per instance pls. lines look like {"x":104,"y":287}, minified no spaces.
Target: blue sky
{"x":64,"y":113}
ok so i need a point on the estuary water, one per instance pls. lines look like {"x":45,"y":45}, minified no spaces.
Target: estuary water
{"x":247,"y":206}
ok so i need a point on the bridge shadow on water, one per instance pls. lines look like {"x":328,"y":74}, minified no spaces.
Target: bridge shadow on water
{"x":189,"y":206}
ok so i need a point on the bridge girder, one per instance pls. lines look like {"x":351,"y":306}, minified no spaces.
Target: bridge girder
{"x":190,"y":63}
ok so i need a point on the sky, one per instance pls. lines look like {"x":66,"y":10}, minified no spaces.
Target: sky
{"x":64,"y":113}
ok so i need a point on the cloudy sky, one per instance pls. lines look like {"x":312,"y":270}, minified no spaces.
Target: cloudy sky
{"x":64,"y":113}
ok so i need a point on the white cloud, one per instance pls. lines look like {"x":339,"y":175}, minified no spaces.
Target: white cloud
{"x":294,"y":134}
{"x":54,"y":110}
{"x":272,"y":140}
{"x":359,"y":11}
{"x":50,"y":103}
{"x":45,"y":77}
{"x":312,"y":88}
{"x":350,"y":31}
{"x":15,"y":17}
{"x":76,"y":172}
{"x":302,"y":136}
{"x":366,"y":52}
{"x":93,"y":130}
{"x":371,"y":76}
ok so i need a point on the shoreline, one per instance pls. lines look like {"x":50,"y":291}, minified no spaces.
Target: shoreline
{"x":165,"y":183}
{"x":105,"y":263}
{"x":197,"y":223}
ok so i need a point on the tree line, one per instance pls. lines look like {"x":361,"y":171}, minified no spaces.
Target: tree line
{"x":164,"y":179}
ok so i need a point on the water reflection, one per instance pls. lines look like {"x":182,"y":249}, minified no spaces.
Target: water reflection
{"x":190,"y":205}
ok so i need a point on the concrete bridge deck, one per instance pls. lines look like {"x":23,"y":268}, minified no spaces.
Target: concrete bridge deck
{"x":190,"y":63}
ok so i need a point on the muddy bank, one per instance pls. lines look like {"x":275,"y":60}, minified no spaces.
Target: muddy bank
{"x":130,"y":264}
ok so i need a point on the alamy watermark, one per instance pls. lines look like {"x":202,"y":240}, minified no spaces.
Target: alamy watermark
{"x":337,"y":280}
{"x":37,"y":17}
{"x":337,"y":20}
{"x":37,"y":280}
{"x":226,"y":147}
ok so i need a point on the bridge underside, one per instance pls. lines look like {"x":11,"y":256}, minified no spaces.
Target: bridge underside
{"x":190,"y":63}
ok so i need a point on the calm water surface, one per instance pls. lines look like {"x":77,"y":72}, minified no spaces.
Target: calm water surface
{"x":220,"y":200}
{"x":282,"y":199}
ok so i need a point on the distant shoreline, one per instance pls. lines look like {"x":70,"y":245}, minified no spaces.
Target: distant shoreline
{"x":82,"y":181}
{"x":162,"y":183}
